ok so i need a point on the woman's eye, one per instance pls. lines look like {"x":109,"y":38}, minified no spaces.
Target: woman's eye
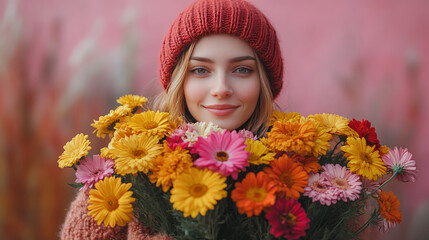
{"x":243,"y":70}
{"x":199,"y":71}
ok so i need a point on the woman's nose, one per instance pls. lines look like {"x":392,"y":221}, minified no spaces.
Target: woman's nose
{"x":221,"y":87}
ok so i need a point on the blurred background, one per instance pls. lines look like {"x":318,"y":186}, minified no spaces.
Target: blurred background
{"x":64,"y":63}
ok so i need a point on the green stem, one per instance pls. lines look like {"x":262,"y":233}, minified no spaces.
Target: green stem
{"x":388,"y":180}
{"x":335,"y":147}
{"x":365,"y":225}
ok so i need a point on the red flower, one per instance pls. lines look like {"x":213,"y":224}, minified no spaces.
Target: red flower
{"x":288,"y":218}
{"x":364,"y":129}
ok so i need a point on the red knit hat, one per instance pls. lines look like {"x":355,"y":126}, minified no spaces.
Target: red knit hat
{"x":234,"y":17}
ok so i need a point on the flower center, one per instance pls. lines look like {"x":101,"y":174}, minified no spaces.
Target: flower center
{"x":288,"y":219}
{"x":287,"y":179}
{"x":366,"y":157}
{"x":340,"y":183}
{"x":139,"y":153}
{"x":388,"y":206}
{"x":318,"y":186}
{"x":222,"y":156}
{"x":111,"y":203}
{"x":256,"y":194}
{"x":150,"y":125}
{"x":198,"y":190}
{"x":96,"y":172}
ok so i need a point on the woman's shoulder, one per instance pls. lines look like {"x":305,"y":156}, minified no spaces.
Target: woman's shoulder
{"x":80,"y":225}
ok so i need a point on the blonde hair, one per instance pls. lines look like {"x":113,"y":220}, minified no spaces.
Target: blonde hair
{"x":173,"y":101}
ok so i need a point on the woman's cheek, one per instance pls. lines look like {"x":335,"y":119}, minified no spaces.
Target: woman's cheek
{"x":194,"y":90}
{"x":248,"y":91}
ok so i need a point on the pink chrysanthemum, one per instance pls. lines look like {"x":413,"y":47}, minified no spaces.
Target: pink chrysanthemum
{"x":92,"y":170}
{"x":176,"y":139}
{"x":400,"y":161}
{"x":346,"y":185}
{"x":370,"y":186}
{"x":288,"y":219}
{"x":222,"y":152}
{"x":247,"y":134}
{"x":386,"y":225}
{"x":319,"y":189}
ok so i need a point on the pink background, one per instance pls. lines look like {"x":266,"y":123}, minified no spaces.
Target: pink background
{"x":63,"y":64}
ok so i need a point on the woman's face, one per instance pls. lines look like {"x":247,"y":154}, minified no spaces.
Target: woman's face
{"x":222,"y":84}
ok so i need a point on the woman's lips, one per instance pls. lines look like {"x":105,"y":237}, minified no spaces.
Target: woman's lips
{"x":221,"y":109}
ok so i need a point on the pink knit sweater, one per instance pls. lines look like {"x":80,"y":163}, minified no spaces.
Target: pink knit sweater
{"x":79,"y":225}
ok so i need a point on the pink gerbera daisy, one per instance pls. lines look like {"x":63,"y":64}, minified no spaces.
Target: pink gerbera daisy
{"x":346,"y":185}
{"x":288,"y":219}
{"x":400,"y":161}
{"x":319,"y":189}
{"x":92,"y":170}
{"x":222,"y":152}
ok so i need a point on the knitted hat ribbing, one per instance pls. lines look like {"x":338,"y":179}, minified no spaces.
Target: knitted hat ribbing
{"x":234,"y":17}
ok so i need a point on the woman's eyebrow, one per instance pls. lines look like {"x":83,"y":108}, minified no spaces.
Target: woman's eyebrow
{"x":242,"y":58}
{"x":232,"y":60}
{"x":201,"y":59}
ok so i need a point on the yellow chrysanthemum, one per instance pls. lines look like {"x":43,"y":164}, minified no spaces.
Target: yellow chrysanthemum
{"x":105,"y":153}
{"x":197,"y":191}
{"x":135,"y":153}
{"x":74,"y":150}
{"x":132,"y":101}
{"x":303,"y":138}
{"x":334,"y":124}
{"x":362,"y":159}
{"x":151,"y":123}
{"x":322,"y":143}
{"x":123,"y":124}
{"x":284,"y":117}
{"x":122,"y":131}
{"x":168,"y":166}
{"x":106,"y":124}
{"x":176,"y":122}
{"x":259,"y":153}
{"x":111,"y":202}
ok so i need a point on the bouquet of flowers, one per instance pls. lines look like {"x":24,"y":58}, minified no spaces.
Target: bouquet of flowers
{"x":311,"y":177}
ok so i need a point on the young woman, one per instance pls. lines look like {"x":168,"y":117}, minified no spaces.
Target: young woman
{"x":220,"y":63}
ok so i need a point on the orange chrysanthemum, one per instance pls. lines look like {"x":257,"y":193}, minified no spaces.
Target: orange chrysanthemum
{"x":170,"y":165}
{"x":389,"y":207}
{"x":309,"y":163}
{"x":254,"y":193}
{"x":303,"y":138}
{"x":289,"y":176}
